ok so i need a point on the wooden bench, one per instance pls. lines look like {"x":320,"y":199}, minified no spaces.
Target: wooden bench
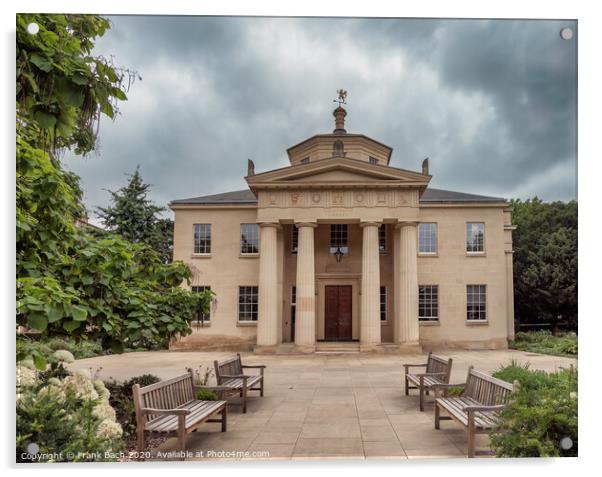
{"x":171,"y":407}
{"x":229,"y":374}
{"x":437,"y":371}
{"x":477,"y":408}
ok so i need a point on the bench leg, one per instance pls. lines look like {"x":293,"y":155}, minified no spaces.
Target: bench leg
{"x":141,"y":443}
{"x":182,"y":432}
{"x":421,"y":399}
{"x":407,"y":389}
{"x":470,"y":430}
{"x":261,"y":389}
{"x":224,"y":418}
{"x":437,"y":416}
{"x":244,"y":400}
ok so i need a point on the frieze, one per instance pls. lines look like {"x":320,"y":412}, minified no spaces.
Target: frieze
{"x":338,"y":198}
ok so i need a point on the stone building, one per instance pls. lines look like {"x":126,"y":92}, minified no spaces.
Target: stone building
{"x":342,"y":250}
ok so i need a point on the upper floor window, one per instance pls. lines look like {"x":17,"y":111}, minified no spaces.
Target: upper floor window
{"x":249,"y":238}
{"x":476,"y":302}
{"x":382,"y":238}
{"x":305,"y":160}
{"x":202,"y":238}
{"x":383,"y":303}
{"x":373,"y":160}
{"x":338,"y":237}
{"x":475,"y":237}
{"x":294,"y":239}
{"x":428,"y":303}
{"x":427,"y":238}
{"x":247,"y":303}
{"x":200,"y":319}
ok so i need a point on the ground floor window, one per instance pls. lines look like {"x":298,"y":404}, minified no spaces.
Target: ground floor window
{"x":476,"y":302}
{"x":247,"y":303}
{"x":206,"y":317}
{"x":428,"y":303}
{"x":383,"y":303}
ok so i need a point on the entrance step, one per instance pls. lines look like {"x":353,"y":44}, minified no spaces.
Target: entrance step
{"x":337,"y":347}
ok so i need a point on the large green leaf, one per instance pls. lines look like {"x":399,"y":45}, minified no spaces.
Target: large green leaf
{"x":79,"y":313}
{"x":41,"y":62}
{"x":37,"y":321}
{"x":44,"y":119}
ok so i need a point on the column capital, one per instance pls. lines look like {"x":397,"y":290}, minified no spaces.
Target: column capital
{"x":371,"y":223}
{"x":406,"y":224}
{"x":276,"y":225}
{"x":306,"y":224}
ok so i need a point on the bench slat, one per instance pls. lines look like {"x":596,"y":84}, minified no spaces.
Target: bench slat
{"x":200,"y":410}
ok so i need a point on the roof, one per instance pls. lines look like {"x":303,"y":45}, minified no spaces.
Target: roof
{"x":430,"y":196}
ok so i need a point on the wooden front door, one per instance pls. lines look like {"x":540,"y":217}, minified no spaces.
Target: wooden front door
{"x":337,"y":315}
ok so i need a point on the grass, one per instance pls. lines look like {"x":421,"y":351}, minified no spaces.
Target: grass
{"x":544,"y":342}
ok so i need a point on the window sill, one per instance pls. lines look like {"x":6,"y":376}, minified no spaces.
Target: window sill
{"x":477,"y":322}
{"x":384,"y":323}
{"x":198,"y":326}
{"x":476,"y":254}
{"x":429,"y":323}
{"x":246,"y":323}
{"x":200,"y":255}
{"x":428,"y":254}
{"x":248,"y":255}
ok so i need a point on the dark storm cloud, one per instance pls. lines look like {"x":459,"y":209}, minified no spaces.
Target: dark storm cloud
{"x":492,"y":103}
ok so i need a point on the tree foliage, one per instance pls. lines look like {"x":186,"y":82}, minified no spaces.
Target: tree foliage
{"x":68,"y":281}
{"x":136,"y":218}
{"x":545,"y":261}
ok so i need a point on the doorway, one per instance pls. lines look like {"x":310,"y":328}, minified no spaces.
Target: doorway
{"x":338,"y":313}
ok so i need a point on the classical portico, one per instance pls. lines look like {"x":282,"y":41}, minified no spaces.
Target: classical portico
{"x":344,"y":179}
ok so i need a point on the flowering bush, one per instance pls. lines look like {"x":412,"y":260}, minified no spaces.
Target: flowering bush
{"x":68,"y":419}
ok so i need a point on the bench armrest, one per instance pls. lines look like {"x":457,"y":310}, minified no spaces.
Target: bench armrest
{"x":429,"y":374}
{"x":231,"y":376}
{"x":254,"y":366}
{"x":449,"y":385}
{"x":498,"y":407}
{"x":177,"y":412}
{"x":410,"y":365}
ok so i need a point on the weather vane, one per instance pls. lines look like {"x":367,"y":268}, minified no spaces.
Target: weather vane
{"x":342,"y":97}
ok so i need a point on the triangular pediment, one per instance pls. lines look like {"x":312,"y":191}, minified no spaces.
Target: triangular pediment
{"x":338,"y":171}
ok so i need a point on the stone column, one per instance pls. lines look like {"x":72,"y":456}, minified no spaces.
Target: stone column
{"x":370,"y":301}
{"x":305,"y":314}
{"x":267,"y":320}
{"x":407,"y":321}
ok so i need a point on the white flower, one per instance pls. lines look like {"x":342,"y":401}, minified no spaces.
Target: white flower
{"x":28,"y":363}
{"x":64,"y":356}
{"x":84,"y":372}
{"x":26,"y":376}
{"x":55,"y":382}
{"x":103,"y":412}
{"x":109,"y":429}
{"x":102,"y":390}
{"x":54,"y":392}
{"x":573,"y":395}
{"x":81,"y":386}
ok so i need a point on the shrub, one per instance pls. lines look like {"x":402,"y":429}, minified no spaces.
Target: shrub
{"x":206,"y":395}
{"x":541,"y":414}
{"x":68,"y":419}
{"x":122,"y":401}
{"x":544,"y":342}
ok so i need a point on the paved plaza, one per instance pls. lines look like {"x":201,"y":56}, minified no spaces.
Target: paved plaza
{"x":324,"y":406}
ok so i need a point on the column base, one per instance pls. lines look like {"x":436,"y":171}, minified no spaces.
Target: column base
{"x":265,"y":349}
{"x":284,"y":349}
{"x":371,"y":348}
{"x":410,"y":348}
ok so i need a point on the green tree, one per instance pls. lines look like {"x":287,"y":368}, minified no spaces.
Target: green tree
{"x":545,"y":261}
{"x":70,"y":282}
{"x":137,"y":219}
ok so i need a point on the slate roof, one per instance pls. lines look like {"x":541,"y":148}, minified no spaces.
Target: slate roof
{"x":430,"y":196}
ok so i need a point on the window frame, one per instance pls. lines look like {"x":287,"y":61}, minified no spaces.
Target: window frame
{"x":294,"y":239}
{"x":194,"y":240}
{"x":382,"y":238}
{"x":336,"y":238}
{"x":436,"y":240}
{"x":474,"y":252}
{"x":383,"y":308}
{"x":484,"y":311}
{"x":251,"y":291}
{"x":245,"y":243}
{"x":430,"y":305}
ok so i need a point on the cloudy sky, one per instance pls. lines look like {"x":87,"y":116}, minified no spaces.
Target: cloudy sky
{"x":491,"y":103}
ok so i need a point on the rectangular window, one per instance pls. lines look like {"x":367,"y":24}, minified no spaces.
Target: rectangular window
{"x":294,"y":239}
{"x":247,"y":303}
{"x":476,"y":302}
{"x":305,"y":160}
{"x":475,"y":237}
{"x":428,"y":303}
{"x":373,"y":160}
{"x":338,"y":237}
{"x":202,"y":238}
{"x":382,"y":238}
{"x":427,"y":238}
{"x":249,"y":238}
{"x":207,"y":316}
{"x":383,"y":303}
